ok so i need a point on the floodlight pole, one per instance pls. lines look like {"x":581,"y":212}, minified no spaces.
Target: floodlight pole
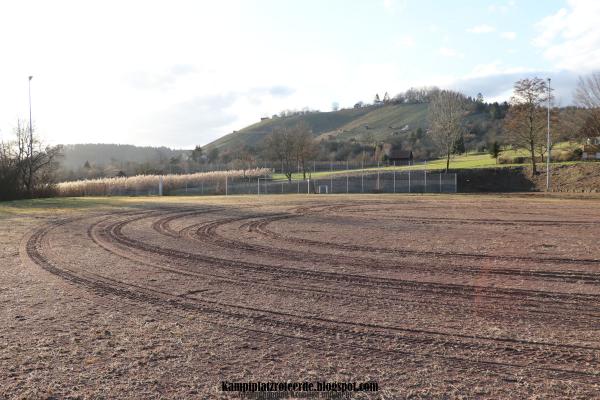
{"x":30,"y":119}
{"x":548,"y":144}
{"x":30,"y":147}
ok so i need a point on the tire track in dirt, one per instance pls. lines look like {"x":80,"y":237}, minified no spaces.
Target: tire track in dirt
{"x":398,"y":299}
{"x":465,"y":221}
{"x":536,"y":297}
{"x":314,"y":325}
{"x":208,"y":233}
{"x":283,"y":272}
{"x":261,"y":227}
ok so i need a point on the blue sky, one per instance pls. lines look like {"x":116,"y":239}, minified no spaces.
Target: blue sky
{"x":179,"y":73}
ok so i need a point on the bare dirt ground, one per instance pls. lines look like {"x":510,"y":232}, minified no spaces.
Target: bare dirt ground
{"x":430,"y":296}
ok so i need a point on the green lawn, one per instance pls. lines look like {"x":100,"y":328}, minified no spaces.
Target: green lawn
{"x":468,"y":161}
{"x":458,"y":162}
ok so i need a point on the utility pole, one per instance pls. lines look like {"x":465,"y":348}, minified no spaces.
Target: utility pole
{"x":548,"y":144}
{"x":30,"y":147}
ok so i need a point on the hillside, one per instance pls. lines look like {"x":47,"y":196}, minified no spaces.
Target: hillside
{"x":392,"y":122}
{"x":75,"y":155}
{"x":319,"y":122}
{"x":382,"y":122}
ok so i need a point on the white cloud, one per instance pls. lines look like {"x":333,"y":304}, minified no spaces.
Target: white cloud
{"x":433,"y":28}
{"x":450,"y":52}
{"x":503,"y":8}
{"x":406,"y":41}
{"x":494,"y":68}
{"x":481,"y":29}
{"x":509,"y":35}
{"x":496,"y":81}
{"x":394,"y":5}
{"x":570,"y":38}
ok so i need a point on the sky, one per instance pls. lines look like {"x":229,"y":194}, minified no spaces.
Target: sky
{"x":182,"y":73}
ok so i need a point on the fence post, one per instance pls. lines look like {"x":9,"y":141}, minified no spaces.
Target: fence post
{"x":394,"y":180}
{"x":308,"y":186}
{"x":362,"y":174}
{"x":425,"y":190}
{"x":362,"y":182}
{"x":409,"y":181}
{"x":258,"y":186}
{"x":455,"y":185}
{"x":282,"y":187}
{"x":440,"y":182}
{"x":226,"y":185}
{"x":331,"y":176}
{"x":298,"y":182}
{"x":347,"y":181}
{"x":160,"y":185}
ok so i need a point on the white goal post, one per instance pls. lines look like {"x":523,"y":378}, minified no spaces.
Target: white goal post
{"x":323,"y":189}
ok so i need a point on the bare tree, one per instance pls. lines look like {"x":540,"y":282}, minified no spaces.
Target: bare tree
{"x":525,"y":122}
{"x":304,"y":145}
{"x":446,"y":114}
{"x":26,"y":168}
{"x":587,"y":96}
{"x":280,"y":147}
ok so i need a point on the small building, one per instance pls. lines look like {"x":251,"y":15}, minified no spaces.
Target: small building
{"x":394,"y":155}
{"x":591,"y":152}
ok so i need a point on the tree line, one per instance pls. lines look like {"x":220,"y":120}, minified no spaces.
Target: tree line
{"x":29,"y":169}
{"x":520,"y":123}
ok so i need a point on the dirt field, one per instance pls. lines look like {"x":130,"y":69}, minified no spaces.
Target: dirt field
{"x":429,"y":296}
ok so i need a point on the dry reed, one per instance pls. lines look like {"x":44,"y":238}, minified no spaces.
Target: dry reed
{"x":148,"y":184}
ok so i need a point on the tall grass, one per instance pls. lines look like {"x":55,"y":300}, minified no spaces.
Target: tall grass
{"x":148,"y":184}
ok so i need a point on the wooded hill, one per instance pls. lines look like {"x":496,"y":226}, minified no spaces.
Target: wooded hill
{"x":402,"y":124}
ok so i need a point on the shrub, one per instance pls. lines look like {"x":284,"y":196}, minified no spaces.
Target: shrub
{"x":505,"y":160}
{"x":565,"y":155}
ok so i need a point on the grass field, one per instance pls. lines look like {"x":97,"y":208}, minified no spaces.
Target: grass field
{"x":468,"y":161}
{"x":427,"y":295}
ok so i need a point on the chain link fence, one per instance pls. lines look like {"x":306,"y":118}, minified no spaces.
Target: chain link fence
{"x":376,"y":182}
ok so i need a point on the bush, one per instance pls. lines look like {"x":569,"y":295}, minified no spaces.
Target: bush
{"x":505,"y":160}
{"x":565,"y":155}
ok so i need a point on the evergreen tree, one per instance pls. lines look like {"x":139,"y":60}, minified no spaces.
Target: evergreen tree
{"x":459,"y":145}
{"x":494,"y":150}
